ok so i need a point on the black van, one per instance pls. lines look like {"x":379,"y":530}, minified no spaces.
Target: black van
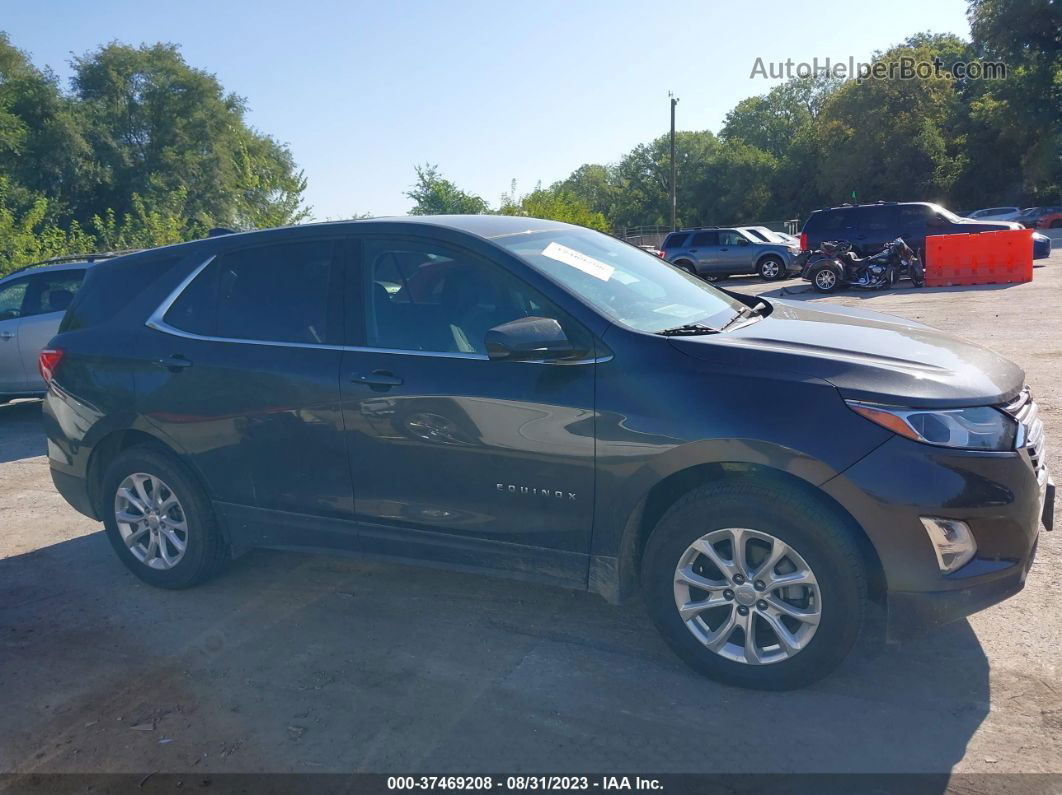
{"x":545,"y":402}
{"x":869,"y":227}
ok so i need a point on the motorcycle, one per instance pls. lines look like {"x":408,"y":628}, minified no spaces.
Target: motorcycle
{"x":835,"y":266}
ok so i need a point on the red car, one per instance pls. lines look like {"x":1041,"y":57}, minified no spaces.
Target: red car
{"x":1041,"y":218}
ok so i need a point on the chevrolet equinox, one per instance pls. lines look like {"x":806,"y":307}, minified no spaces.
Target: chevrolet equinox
{"x":547,"y":403}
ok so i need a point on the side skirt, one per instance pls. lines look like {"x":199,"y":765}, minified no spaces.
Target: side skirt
{"x":249,"y":527}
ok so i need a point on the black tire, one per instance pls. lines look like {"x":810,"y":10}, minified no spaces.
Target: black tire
{"x":823,"y":540}
{"x":686,"y":266}
{"x":918,"y":273}
{"x":771,"y":269}
{"x":206,"y":552}
{"x":715,"y":277}
{"x":823,"y":284}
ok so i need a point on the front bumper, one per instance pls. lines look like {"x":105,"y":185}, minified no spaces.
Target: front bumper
{"x":998,"y":495}
{"x":1041,"y":246}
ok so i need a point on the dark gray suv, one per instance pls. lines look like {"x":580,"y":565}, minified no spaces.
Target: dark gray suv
{"x":716,"y":253}
{"x":544,"y":402}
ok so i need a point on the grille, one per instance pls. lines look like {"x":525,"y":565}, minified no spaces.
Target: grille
{"x":1031,"y":428}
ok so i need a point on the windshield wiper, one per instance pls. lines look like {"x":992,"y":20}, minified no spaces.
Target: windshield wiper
{"x":688,"y":330}
{"x":742,"y":313}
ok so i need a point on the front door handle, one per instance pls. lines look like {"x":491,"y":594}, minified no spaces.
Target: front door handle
{"x":379,"y":378}
{"x":7,"y":335}
{"x":174,"y":363}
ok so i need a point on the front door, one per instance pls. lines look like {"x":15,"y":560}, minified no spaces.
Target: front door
{"x":735,"y":252}
{"x":446,"y":446}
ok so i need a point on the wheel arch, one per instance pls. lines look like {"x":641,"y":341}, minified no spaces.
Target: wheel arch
{"x":118,"y":441}
{"x":618,"y":581}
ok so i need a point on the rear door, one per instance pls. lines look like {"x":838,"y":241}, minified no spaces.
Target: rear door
{"x":704,"y":248}
{"x":241,"y":370}
{"x":878,"y":225}
{"x":48,"y":296}
{"x":12,"y":300}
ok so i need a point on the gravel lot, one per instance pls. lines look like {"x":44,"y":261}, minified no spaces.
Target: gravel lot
{"x":307,"y":663}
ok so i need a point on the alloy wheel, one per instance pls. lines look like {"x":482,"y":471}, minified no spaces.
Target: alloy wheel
{"x":747,"y":596}
{"x":769,"y":270}
{"x":825,"y":279}
{"x":151,"y":521}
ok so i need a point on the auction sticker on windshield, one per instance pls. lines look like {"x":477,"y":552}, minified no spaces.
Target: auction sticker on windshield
{"x":569,"y":256}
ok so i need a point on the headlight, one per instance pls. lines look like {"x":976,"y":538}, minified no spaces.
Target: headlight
{"x":978,"y":428}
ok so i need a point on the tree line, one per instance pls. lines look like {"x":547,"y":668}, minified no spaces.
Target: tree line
{"x":820,"y":141}
{"x":142,"y":149}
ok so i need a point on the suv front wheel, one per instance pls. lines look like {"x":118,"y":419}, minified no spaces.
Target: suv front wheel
{"x":159,"y":521}
{"x":755,"y":584}
{"x":771,"y":269}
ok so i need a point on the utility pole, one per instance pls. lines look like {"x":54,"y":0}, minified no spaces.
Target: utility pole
{"x":674,"y":205}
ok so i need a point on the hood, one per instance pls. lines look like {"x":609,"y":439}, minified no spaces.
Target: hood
{"x":990,"y":226}
{"x":866,"y":355}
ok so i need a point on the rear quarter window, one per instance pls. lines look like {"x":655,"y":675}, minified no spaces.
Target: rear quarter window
{"x":109,"y":287}
{"x":675,"y":240}
{"x":826,"y":222}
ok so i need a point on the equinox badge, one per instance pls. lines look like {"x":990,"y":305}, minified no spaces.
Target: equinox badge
{"x":557,"y":494}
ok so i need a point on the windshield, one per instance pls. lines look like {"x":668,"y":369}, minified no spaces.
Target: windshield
{"x":628,"y":285}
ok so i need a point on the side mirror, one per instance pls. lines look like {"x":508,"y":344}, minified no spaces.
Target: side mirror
{"x":528,"y":339}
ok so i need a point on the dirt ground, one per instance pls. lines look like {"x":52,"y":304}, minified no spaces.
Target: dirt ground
{"x":306,"y":663}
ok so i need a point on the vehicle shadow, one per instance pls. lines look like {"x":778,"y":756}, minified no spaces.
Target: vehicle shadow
{"x":20,"y":431}
{"x":802,"y":291}
{"x":304,"y":663}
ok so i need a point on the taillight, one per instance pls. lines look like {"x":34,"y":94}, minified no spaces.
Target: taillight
{"x":803,"y":241}
{"x":661,"y":254}
{"x":47,"y":362}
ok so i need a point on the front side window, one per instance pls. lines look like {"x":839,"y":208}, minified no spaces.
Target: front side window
{"x":12,"y":297}
{"x":425,"y":296}
{"x":730,"y":237}
{"x":278,"y":293}
{"x":621,"y":282}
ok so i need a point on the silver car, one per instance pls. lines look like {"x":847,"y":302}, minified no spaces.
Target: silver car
{"x":714,"y":253}
{"x":32,"y":303}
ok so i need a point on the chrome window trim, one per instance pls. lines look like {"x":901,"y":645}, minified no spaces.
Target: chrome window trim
{"x":156,"y":321}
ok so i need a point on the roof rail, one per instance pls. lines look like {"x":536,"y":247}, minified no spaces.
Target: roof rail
{"x":73,"y":258}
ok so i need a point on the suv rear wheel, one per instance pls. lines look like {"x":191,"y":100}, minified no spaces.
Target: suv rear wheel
{"x":159,"y":521}
{"x":755,"y":584}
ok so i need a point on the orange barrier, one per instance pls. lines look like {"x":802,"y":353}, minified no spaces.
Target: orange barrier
{"x":1001,"y":257}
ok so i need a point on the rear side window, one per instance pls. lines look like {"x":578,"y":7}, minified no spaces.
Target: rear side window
{"x":878,"y":219}
{"x":110,"y":287}
{"x":52,"y":292}
{"x":705,"y":239}
{"x":827,"y":222}
{"x":279,"y":293}
{"x":675,"y":240}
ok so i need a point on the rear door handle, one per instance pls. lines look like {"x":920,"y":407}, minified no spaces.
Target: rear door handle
{"x":379,"y":378}
{"x":174,"y":363}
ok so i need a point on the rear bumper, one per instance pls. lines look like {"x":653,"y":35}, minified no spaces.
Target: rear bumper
{"x":75,"y":491}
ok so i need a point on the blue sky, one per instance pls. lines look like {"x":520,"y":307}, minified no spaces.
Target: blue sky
{"x":490,"y":91}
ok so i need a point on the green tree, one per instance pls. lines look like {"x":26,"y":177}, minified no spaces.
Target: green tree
{"x":557,"y":204}
{"x":435,"y":195}
{"x":159,"y":126}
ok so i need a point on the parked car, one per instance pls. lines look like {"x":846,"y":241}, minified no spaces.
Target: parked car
{"x":1041,"y":217}
{"x":652,"y":250}
{"x":870,"y":227}
{"x":542,"y":401}
{"x":714,"y":253}
{"x":766,"y":235}
{"x":996,"y":214}
{"x":32,"y":302}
